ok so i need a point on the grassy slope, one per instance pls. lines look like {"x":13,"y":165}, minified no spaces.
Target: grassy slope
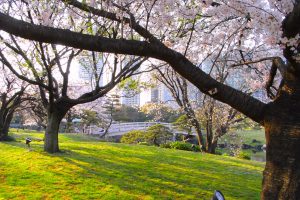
{"x":248,"y":135}
{"x":96,"y":170}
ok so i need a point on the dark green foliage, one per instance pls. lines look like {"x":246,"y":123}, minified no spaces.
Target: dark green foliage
{"x":133,"y":137}
{"x":90,"y":117}
{"x":143,"y":143}
{"x":158,"y":134}
{"x":128,"y":114}
{"x":166,"y":145}
{"x":182,"y":146}
{"x":155,"y":135}
{"x":218,"y":152}
{"x":182,"y":123}
{"x":243,"y":155}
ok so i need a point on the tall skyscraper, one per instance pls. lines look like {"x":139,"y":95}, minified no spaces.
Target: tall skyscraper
{"x":87,"y":71}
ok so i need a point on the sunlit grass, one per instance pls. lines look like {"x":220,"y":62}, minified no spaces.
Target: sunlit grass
{"x":89,"y":169}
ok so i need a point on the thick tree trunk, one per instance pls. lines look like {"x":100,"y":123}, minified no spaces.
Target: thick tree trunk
{"x":3,"y":133}
{"x":51,"y":133}
{"x":211,"y":143}
{"x":4,"y":126}
{"x":3,"y":136}
{"x":212,"y":148}
{"x":282,"y":126}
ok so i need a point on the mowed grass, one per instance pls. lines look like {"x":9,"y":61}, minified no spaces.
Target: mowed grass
{"x":90,"y":169}
{"x":247,"y":136}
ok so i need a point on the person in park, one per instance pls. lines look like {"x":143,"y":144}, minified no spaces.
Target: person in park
{"x":261,"y":39}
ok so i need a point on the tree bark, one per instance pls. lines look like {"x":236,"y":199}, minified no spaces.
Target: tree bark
{"x":209,"y":137}
{"x":213,"y":147}
{"x":3,"y":133}
{"x":282,"y":127}
{"x":4,"y":126}
{"x":197,"y":127}
{"x":51,"y":132}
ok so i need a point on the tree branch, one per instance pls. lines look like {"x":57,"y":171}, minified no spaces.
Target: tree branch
{"x":244,"y":103}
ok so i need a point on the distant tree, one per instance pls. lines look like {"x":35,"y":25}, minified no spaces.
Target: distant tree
{"x":111,"y":103}
{"x":133,"y":137}
{"x":18,"y":118}
{"x":48,"y":67}
{"x":36,"y":111}
{"x":12,"y":95}
{"x":182,"y":123}
{"x":90,"y":117}
{"x":158,"y":134}
{"x":178,"y":86}
{"x":216,"y":119}
{"x":72,"y":114}
{"x":129,"y":114}
{"x":160,"y":112}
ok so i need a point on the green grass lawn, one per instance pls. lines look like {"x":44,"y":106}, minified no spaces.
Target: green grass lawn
{"x":247,"y":136}
{"x":90,"y":169}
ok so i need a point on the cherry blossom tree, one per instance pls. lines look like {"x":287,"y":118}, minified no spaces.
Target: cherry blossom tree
{"x":12,"y":96}
{"x":48,"y":67}
{"x":178,"y":87}
{"x":150,"y":29}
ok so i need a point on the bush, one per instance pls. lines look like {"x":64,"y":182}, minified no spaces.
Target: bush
{"x":166,"y":145}
{"x":133,"y":137}
{"x":143,"y":143}
{"x":225,"y":154}
{"x":218,"y":152}
{"x":184,"y":146}
{"x":243,"y":155}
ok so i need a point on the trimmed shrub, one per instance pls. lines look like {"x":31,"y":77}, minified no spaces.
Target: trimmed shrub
{"x":158,"y":134}
{"x":184,"y":146}
{"x":166,"y":145}
{"x":218,"y":152}
{"x":133,"y":137}
{"x":243,"y":155}
{"x":143,"y":143}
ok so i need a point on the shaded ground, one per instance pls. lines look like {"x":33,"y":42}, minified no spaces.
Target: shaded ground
{"x":90,"y":169}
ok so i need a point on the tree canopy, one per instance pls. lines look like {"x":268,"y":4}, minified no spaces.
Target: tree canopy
{"x":259,"y":37}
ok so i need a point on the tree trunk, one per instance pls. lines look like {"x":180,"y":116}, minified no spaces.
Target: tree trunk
{"x":51,"y":133}
{"x":3,"y":133}
{"x":282,"y":126}
{"x":211,"y":141}
{"x":199,"y":134}
{"x":212,"y":148}
{"x":209,"y":135}
{"x":4,"y":126}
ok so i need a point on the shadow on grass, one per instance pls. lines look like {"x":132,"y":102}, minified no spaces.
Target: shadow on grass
{"x":150,"y":171}
{"x":157,"y":175}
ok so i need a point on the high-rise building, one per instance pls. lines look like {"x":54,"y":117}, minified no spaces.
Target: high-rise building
{"x":87,"y":71}
{"x":133,"y":100}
